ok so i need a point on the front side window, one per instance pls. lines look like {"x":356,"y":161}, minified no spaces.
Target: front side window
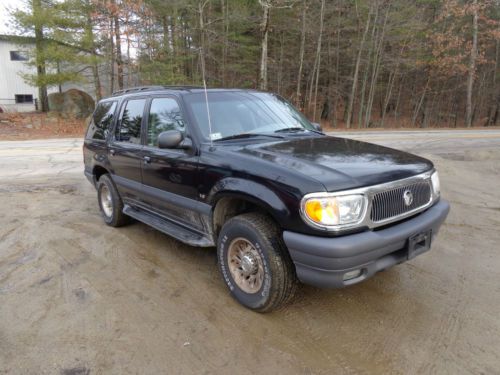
{"x":164,"y":115}
{"x":101,"y":121}
{"x":130,"y":122}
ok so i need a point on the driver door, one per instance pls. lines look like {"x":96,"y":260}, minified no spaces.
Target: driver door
{"x":170,"y":176}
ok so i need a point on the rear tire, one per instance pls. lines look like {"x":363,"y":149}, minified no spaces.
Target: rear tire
{"x":110,"y":202}
{"x":255,"y":263}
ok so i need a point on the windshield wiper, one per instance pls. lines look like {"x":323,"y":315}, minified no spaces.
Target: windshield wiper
{"x":292,"y":129}
{"x":298,"y":129}
{"x":247,"y":135}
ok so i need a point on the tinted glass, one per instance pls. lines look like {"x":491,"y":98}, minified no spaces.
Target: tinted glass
{"x":101,"y":120}
{"x":164,"y":115}
{"x":238,"y":112}
{"x":130,"y":124}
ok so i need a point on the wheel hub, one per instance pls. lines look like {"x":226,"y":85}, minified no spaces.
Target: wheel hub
{"x":106,"y":201}
{"x":246,"y":265}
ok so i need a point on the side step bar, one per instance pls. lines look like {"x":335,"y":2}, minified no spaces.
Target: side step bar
{"x":168,"y":227}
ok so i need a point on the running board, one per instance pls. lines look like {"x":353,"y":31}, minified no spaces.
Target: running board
{"x":168,"y":227}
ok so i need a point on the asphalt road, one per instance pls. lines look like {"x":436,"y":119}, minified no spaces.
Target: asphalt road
{"x":436,"y":142}
{"x":77,"y":297}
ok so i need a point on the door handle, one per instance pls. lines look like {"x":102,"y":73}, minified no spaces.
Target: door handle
{"x":147,"y":159}
{"x":112,"y":151}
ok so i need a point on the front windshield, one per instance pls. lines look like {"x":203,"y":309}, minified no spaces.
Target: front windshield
{"x":239,"y":112}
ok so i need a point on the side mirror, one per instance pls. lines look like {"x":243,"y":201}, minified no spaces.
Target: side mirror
{"x":170,"y":139}
{"x":317,"y":126}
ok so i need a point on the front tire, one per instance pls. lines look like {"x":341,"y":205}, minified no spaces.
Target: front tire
{"x":110,"y":202}
{"x":255,"y":263}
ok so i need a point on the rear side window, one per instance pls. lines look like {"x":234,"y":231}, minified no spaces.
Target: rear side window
{"x":101,"y":121}
{"x":164,"y":115}
{"x":130,"y":122}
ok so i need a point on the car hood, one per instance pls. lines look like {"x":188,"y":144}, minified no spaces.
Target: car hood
{"x":339,"y":163}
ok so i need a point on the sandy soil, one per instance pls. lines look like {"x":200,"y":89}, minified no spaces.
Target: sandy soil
{"x":77,"y":297}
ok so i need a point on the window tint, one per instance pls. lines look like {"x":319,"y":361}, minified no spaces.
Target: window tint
{"x":130,"y":124}
{"x":101,"y":120}
{"x":164,"y":115}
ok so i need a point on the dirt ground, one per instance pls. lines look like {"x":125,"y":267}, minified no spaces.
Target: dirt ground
{"x":77,"y":297}
{"x":35,"y":125}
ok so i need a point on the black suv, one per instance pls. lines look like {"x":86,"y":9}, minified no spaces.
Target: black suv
{"x":246,"y":172}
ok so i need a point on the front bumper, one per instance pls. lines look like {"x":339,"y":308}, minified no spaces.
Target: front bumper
{"x":323,"y":261}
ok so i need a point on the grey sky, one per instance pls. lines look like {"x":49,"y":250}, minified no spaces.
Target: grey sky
{"x":4,"y":14}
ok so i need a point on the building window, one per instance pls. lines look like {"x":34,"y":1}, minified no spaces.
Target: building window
{"x":18,"y":56}
{"x":24,"y":99}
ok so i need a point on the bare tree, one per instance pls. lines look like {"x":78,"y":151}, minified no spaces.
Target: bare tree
{"x":472,"y":65}
{"x":301,"y":53}
{"x":356,"y":71}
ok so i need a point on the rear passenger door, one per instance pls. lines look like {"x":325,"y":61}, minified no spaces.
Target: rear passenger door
{"x":94,"y":148}
{"x":124,"y":151}
{"x":170,"y":175}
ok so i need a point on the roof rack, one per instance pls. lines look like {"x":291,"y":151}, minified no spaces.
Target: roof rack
{"x":158,"y":87}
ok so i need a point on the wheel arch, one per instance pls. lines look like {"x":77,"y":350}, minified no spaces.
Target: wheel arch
{"x":238,"y":196}
{"x":98,"y":171}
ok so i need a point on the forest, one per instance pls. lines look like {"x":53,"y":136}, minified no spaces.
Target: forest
{"x":346,"y":63}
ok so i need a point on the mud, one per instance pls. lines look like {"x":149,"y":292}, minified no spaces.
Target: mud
{"x":77,"y":297}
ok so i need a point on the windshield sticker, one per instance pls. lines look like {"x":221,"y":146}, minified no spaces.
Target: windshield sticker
{"x":215,"y":136}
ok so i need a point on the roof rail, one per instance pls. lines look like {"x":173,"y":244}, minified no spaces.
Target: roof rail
{"x":158,"y":87}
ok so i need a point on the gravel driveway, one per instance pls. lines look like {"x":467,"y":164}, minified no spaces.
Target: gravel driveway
{"x":77,"y":297}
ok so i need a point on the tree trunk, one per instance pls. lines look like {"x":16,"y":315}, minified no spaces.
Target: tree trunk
{"x":225,"y":26}
{"x":39,"y":57}
{"x":495,"y":92}
{"x":301,"y":53}
{"x":264,"y":28}
{"x":337,"y":68}
{"x":420,"y":102}
{"x":375,"y":72}
{"x":280,"y":65}
{"x":398,"y":98}
{"x":203,"y":54}
{"x":119,"y":60}
{"x":367,"y":70}
{"x":472,"y":66}
{"x":95,"y":68}
{"x":356,"y":71}
{"x":111,"y":58}
{"x":390,"y":85}
{"x":318,"y":56}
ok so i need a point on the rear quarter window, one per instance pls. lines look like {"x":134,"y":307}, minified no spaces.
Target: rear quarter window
{"x":101,"y":121}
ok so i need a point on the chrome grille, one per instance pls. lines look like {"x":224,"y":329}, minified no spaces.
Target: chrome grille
{"x":390,"y":203}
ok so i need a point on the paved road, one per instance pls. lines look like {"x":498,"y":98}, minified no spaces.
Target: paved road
{"x":437,"y":142}
{"x":25,"y":159}
{"x":77,"y":297}
{"x":21,"y":160}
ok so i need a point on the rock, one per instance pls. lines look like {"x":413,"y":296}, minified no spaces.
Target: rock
{"x":73,"y":103}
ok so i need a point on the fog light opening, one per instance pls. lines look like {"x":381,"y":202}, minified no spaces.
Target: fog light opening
{"x":352,"y":274}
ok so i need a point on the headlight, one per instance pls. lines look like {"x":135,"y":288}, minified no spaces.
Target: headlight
{"x":436,"y":186}
{"x":329,"y":210}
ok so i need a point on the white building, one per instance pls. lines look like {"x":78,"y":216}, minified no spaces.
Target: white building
{"x":15,"y":94}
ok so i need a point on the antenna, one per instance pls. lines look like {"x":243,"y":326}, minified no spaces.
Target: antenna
{"x":206,"y":95}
